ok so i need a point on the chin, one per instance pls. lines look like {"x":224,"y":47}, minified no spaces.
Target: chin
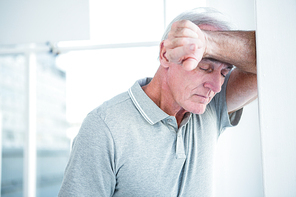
{"x":198,"y":110}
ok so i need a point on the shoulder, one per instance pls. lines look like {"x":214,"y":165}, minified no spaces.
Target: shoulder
{"x":113,"y":106}
{"x":116,"y":113}
{"x":98,"y":118}
{"x":99,"y":124}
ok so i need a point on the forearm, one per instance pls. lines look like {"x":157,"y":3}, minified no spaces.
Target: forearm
{"x":234,"y":47}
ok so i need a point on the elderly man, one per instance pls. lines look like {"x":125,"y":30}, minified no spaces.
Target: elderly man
{"x":158,"y":138}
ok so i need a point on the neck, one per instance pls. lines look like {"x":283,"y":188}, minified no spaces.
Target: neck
{"x":158,"y":91}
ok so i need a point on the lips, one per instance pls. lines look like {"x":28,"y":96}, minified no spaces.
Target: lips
{"x":202,"y":99}
{"x":202,"y":96}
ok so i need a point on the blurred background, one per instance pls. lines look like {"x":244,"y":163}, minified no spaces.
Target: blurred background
{"x":61,"y":59}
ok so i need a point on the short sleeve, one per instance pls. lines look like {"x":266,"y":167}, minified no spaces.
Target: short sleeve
{"x":90,"y":170}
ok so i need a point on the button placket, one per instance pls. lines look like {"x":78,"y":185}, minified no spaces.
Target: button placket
{"x":172,"y":125}
{"x":180,"y":146}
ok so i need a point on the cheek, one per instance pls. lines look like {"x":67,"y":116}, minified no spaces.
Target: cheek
{"x":177,"y":82}
{"x":183,"y":91}
{"x":180,"y":92}
{"x":184,"y":84}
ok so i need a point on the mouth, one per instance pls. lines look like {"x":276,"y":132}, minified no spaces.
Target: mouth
{"x":202,"y":96}
{"x":202,"y":99}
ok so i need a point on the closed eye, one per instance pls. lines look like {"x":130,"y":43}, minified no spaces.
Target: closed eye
{"x":208,"y":70}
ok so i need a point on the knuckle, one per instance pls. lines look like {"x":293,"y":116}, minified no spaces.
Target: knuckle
{"x":166,"y":43}
{"x":171,"y":34}
{"x":186,"y":23}
{"x":175,"y":24}
{"x":182,"y":31}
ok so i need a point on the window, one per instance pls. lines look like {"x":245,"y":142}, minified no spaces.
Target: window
{"x":123,"y":48}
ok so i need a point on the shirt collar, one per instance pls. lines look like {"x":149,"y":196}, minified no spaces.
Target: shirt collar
{"x":148,"y":109}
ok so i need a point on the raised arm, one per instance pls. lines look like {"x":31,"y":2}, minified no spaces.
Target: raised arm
{"x":237,"y":48}
{"x":187,"y":44}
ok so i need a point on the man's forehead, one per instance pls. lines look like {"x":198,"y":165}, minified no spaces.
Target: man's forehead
{"x":217,"y":62}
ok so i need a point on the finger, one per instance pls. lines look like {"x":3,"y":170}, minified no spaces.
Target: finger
{"x":176,"y":55}
{"x":182,"y":32}
{"x":184,"y":24}
{"x":190,"y":64}
{"x":186,"y":42}
{"x":179,"y":54}
{"x":192,"y":61}
{"x":188,"y":56}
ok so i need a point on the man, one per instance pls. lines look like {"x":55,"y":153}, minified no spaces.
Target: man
{"x":158,"y":138}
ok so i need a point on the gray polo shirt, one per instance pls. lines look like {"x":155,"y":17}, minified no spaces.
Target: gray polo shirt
{"x":129,"y":147}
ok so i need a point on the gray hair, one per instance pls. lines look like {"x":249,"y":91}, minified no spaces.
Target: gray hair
{"x":202,"y":15}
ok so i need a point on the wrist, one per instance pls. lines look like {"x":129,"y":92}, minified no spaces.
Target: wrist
{"x":206,"y":44}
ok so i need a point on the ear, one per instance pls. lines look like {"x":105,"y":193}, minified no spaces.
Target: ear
{"x":162,"y":58}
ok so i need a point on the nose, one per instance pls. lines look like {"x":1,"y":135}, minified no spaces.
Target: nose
{"x":214,"y":81}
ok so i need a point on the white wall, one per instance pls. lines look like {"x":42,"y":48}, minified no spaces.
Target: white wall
{"x":276,"y":47}
{"x":238,"y":169}
{"x":0,"y":148}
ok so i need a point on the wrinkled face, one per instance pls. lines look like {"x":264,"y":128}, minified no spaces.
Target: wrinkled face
{"x":193,"y":90}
